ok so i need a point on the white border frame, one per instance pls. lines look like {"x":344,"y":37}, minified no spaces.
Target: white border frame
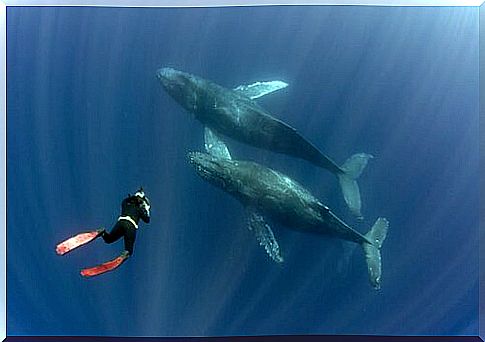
{"x":3,"y":169}
{"x":227,"y":3}
{"x":144,"y":3}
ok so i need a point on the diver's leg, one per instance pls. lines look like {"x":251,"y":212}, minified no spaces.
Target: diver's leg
{"x":116,"y":233}
{"x":130,"y":236}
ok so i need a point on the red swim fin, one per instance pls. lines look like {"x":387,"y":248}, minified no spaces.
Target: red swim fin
{"x":105,"y":267}
{"x":77,"y":241}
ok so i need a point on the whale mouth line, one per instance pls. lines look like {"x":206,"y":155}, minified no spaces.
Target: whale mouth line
{"x":205,"y":170}
{"x":167,"y":73}
{"x":166,"y":76}
{"x":198,"y":167}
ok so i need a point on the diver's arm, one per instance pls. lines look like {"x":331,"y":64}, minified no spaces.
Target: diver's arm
{"x":146,"y":218}
{"x":144,"y":210}
{"x":145,"y":214}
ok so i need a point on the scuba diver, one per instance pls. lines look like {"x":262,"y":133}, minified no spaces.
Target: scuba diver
{"x":133,"y":208}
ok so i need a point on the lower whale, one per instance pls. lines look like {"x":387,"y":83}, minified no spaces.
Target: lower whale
{"x":268,"y":193}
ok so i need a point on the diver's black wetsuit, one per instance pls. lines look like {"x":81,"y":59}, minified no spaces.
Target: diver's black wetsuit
{"x":132,"y":207}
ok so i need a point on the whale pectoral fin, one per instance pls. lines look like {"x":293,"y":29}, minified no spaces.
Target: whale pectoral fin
{"x":214,"y":145}
{"x":265,"y":235}
{"x":258,"y":89}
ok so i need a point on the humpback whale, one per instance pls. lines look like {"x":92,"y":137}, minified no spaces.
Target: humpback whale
{"x":235,"y":114}
{"x":268,"y":193}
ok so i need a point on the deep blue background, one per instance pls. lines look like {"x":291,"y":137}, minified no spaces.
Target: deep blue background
{"x":88,"y":123}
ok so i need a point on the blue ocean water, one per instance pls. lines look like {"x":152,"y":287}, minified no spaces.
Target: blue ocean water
{"x":88,"y":122}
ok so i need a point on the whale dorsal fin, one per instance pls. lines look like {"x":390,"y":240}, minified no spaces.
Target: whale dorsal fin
{"x":264,"y":234}
{"x":258,"y":89}
{"x":214,"y":145}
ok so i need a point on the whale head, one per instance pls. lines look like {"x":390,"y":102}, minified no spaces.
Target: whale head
{"x":183,"y":87}
{"x":212,"y":169}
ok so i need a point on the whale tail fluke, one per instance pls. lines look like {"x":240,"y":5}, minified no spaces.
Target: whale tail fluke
{"x":352,"y":169}
{"x":375,"y":237}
